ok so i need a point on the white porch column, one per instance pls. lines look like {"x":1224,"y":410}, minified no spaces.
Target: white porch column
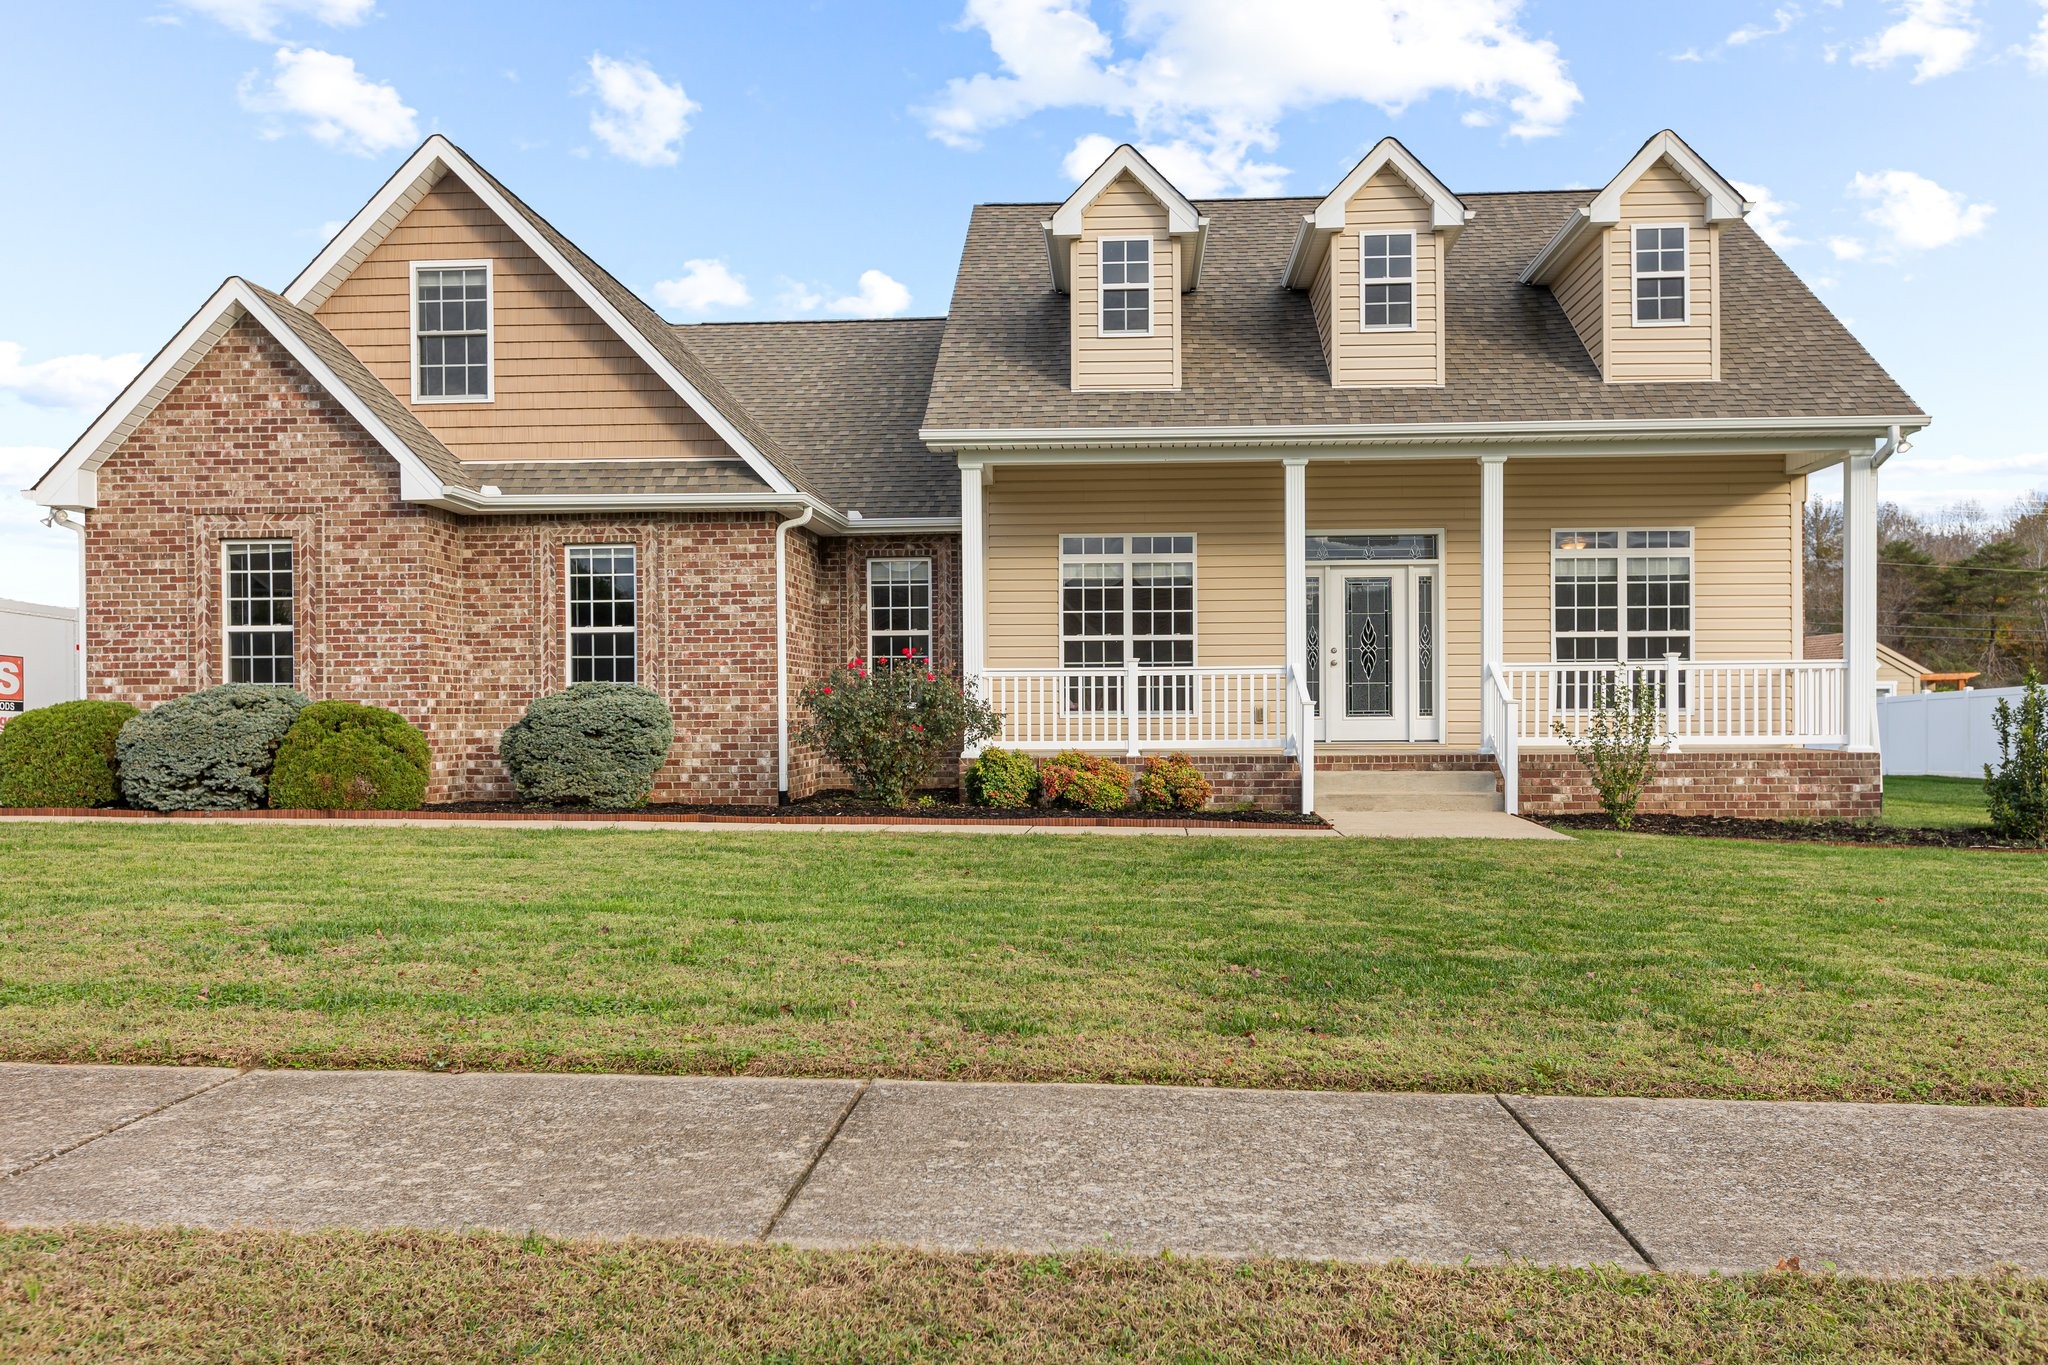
{"x":1859,"y":597}
{"x":1294,"y":517}
{"x":973,"y":596}
{"x":1492,"y":578}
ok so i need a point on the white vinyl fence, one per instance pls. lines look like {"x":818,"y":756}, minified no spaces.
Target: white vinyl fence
{"x":1940,"y":734}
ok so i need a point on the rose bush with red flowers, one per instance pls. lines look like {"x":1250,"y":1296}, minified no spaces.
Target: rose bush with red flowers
{"x":889,"y":726}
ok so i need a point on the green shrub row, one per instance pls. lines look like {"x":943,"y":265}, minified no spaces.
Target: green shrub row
{"x":1007,"y":778}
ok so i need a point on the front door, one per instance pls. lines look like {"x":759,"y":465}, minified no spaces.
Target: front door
{"x":1374,"y":628}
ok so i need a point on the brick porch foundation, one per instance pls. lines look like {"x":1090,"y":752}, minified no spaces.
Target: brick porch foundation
{"x":1757,"y":784}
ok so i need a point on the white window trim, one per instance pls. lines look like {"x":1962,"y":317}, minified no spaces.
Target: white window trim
{"x":1414,"y":291}
{"x":570,"y":630}
{"x":1887,"y":687}
{"x":930,"y":604}
{"x":227,"y":630}
{"x":1621,"y":554}
{"x":1061,"y":559}
{"x":1151,"y":291}
{"x":412,"y":330}
{"x":1685,"y":294}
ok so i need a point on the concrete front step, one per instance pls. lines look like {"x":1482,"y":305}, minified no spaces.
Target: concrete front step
{"x":1407,"y":801}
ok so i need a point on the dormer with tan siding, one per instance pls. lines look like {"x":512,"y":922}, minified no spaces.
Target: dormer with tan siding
{"x":1637,"y":271}
{"x":1373,"y":258}
{"x":1123,"y":247}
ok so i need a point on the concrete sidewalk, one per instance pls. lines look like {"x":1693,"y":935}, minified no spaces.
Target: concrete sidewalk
{"x":1669,"y":1184}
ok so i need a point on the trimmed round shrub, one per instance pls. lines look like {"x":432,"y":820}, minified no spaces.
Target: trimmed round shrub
{"x":1088,"y":781}
{"x":1002,"y":777}
{"x":1173,"y":783}
{"x":62,"y":755}
{"x":212,"y":750}
{"x":595,"y":744}
{"x":343,"y":755}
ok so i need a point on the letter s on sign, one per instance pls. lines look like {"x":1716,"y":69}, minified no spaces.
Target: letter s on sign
{"x":10,"y":677}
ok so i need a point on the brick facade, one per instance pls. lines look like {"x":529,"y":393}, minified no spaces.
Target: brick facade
{"x":456,"y":623}
{"x":1764,"y":784}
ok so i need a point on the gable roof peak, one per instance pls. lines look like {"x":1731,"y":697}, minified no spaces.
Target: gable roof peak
{"x":1183,"y":220}
{"x":1723,"y":201}
{"x":1447,"y":211}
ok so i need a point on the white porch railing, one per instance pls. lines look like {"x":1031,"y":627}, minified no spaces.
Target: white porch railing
{"x":1775,"y":702}
{"x":1137,"y":709}
{"x":1500,"y":707}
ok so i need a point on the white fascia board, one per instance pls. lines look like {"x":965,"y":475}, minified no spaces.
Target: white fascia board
{"x":73,"y":480}
{"x":310,"y":288}
{"x":1181,"y":218}
{"x":1359,"y":434}
{"x":1446,"y":210}
{"x":437,"y":153}
{"x":1724,"y":201}
{"x":1559,"y":250}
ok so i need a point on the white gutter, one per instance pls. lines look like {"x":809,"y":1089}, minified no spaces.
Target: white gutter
{"x":782,"y":531}
{"x":73,"y":519}
{"x":957,"y":438}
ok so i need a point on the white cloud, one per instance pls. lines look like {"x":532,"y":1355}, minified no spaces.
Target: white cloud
{"x":1769,"y":215}
{"x":1208,"y":81}
{"x":1782,"y":20}
{"x":794,"y":296}
{"x":259,"y":18}
{"x":878,"y":297}
{"x":1934,"y":481}
{"x":340,"y":107}
{"x":1478,"y":118}
{"x":1915,"y":213}
{"x":642,"y":117}
{"x":2037,"y":51}
{"x":78,"y":383}
{"x":1848,"y":248}
{"x":37,"y":563}
{"x":703,"y":286}
{"x":1938,"y":36}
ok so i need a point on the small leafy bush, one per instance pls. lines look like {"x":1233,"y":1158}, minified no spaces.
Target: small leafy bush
{"x":212,"y":750}
{"x":1088,"y":781}
{"x":889,"y":725}
{"x":342,"y":755}
{"x":594,"y":744}
{"x":1002,"y":777}
{"x":1619,"y":747}
{"x":1173,"y":783}
{"x":63,"y":755}
{"x":2016,"y":791}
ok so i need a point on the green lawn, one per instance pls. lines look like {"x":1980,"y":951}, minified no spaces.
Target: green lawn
{"x":124,"y":1294}
{"x":1608,"y":965}
{"x":1935,"y":802}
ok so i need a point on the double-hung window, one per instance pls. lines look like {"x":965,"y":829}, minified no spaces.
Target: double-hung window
{"x":257,"y":588}
{"x":1386,"y":268}
{"x":900,"y":609}
{"x":1619,"y":597}
{"x":1127,"y":599}
{"x":451,"y":331}
{"x":1660,"y":275}
{"x":1126,"y":286}
{"x":603,"y":613}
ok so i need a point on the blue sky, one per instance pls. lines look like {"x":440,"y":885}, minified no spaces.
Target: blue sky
{"x":156,"y":147}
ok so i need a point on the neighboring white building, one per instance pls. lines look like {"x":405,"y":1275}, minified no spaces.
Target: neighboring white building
{"x":45,"y":639}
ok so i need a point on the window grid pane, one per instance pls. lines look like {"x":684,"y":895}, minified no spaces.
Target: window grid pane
{"x":1660,"y":274}
{"x":453,"y":323}
{"x":258,"y":596}
{"x":900,"y":610}
{"x":1609,"y":609}
{"x":1386,"y":263}
{"x":603,"y":613}
{"x":1127,"y":598}
{"x":1126,"y":267}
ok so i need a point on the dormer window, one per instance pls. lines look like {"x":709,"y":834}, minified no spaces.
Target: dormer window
{"x":1660,"y":275}
{"x":451,"y":325}
{"x":1386,"y":262}
{"x":1126,"y":286}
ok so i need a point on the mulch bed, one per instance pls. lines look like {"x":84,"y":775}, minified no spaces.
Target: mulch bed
{"x":1794,"y":831}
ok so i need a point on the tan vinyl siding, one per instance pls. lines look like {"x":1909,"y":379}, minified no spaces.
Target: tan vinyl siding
{"x":1638,"y":354}
{"x":1319,"y":301}
{"x":1232,"y":510}
{"x":1744,"y":513}
{"x":1387,"y":203}
{"x":566,"y":386}
{"x":1579,"y":292}
{"x":1125,"y":209}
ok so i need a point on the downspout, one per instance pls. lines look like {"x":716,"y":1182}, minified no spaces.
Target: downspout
{"x":74,"y":520}
{"x":782,"y":531}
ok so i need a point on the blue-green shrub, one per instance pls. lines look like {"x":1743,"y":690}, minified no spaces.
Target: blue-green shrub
{"x":596,"y":744}
{"x":212,"y":750}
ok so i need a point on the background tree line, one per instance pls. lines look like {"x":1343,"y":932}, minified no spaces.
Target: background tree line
{"x":1959,"y":589}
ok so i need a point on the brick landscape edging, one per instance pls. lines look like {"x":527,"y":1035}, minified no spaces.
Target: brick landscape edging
{"x":766,"y":817}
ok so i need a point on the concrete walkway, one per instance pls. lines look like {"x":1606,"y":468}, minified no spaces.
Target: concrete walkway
{"x":1667,"y":1184}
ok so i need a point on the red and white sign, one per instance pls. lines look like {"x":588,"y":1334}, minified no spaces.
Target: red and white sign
{"x":10,"y":688}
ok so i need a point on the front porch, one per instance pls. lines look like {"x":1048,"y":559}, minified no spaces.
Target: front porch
{"x":1317,"y":610}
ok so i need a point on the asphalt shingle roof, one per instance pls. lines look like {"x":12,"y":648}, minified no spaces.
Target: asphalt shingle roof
{"x":1251,"y":355}
{"x":616,"y":476}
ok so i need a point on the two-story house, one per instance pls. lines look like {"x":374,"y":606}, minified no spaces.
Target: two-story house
{"x":1389,"y":481}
